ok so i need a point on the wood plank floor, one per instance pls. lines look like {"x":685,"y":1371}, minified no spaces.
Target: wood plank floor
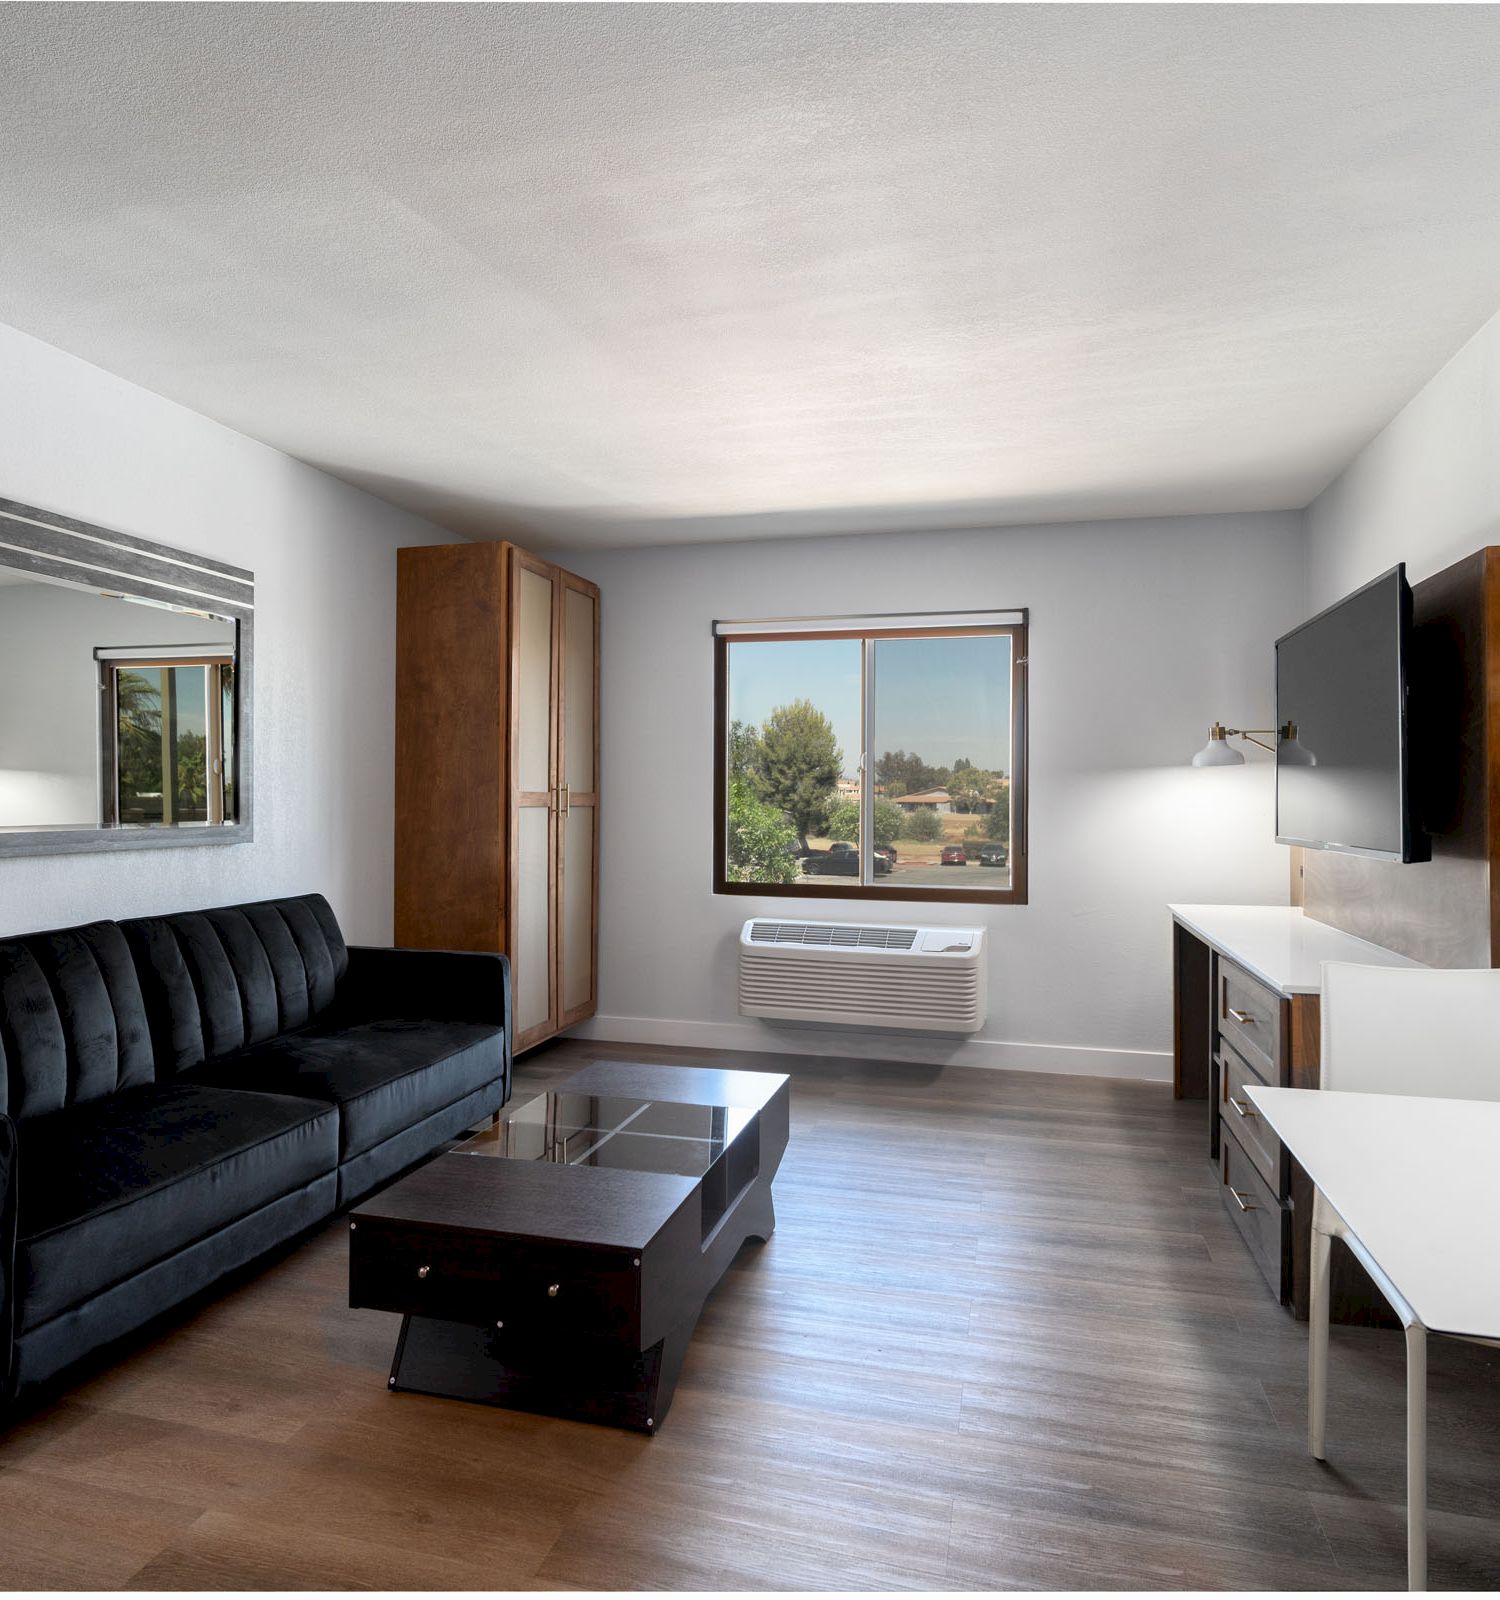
{"x":1003,"y":1338}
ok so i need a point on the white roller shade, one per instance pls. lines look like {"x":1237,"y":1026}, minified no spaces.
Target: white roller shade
{"x":749,"y":628}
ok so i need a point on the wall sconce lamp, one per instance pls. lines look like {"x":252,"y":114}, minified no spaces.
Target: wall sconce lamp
{"x":1218,"y":752}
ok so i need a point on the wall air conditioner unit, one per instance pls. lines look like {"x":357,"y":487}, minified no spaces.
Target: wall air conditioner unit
{"x":864,"y":975}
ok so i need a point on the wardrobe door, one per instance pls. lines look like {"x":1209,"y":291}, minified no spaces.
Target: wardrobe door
{"x":578,"y":844}
{"x":533,"y":798}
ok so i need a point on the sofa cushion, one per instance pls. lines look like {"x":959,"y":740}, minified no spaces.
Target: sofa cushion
{"x":218,"y":981}
{"x":383,"y":1076}
{"x":72,"y":1019}
{"x":111,"y":1186}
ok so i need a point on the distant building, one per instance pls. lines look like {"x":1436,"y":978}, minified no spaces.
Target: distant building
{"x":848,"y":789}
{"x":926,"y":800}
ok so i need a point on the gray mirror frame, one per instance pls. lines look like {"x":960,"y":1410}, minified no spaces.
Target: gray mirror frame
{"x":54,"y":546}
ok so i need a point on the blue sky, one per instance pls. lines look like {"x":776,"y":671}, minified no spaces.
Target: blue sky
{"x":941,"y":698}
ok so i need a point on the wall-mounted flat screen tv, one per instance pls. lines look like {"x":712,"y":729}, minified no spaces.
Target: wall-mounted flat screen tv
{"x":1343,"y":770}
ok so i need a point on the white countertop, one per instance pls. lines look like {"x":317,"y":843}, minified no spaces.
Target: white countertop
{"x":1413,"y":1180}
{"x":1280,"y":946}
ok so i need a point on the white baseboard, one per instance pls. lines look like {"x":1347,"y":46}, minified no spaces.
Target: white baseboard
{"x":1154,"y":1066}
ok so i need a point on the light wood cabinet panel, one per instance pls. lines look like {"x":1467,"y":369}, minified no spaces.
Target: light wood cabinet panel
{"x":497,"y":761}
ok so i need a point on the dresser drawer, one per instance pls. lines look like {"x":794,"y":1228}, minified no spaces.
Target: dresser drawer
{"x":1242,"y":1120}
{"x":1261,"y":1219}
{"x":538,"y":1292}
{"x":1249,"y":1017}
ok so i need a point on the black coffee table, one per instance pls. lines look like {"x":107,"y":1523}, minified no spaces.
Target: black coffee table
{"x":559,"y":1260}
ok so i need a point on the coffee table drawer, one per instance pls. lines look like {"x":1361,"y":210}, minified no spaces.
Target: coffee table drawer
{"x":534,"y":1290}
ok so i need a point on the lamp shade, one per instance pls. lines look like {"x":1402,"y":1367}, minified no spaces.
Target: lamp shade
{"x":1290,"y":752}
{"x":1218,"y":752}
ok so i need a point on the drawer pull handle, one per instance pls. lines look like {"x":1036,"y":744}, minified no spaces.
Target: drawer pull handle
{"x":1244,"y":1018}
{"x":552,"y":1291}
{"x":1240,"y":1201}
{"x":423,"y":1271}
{"x":1241,"y":1107}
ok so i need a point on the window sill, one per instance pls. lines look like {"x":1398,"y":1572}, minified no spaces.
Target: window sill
{"x":1014,"y":896}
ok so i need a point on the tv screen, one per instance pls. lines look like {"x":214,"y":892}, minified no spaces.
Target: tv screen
{"x":1342,"y":780}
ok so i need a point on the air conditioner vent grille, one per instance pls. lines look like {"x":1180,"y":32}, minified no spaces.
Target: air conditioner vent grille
{"x":833,"y":936}
{"x":864,"y":975}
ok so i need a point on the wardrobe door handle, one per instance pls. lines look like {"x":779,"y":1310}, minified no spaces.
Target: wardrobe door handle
{"x":1241,"y":1107}
{"x":1240,"y":1201}
{"x":1244,"y":1018}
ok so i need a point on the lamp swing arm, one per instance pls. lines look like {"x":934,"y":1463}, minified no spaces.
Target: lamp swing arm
{"x":1249,"y":734}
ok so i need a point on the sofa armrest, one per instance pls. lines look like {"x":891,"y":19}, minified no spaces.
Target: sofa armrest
{"x":9,"y":1288}
{"x":445,"y":985}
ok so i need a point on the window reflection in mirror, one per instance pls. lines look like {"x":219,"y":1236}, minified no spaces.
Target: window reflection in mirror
{"x":168,"y":729}
{"x":114,"y":712}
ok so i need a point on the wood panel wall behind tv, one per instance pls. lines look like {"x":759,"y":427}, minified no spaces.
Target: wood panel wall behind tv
{"x":1444,"y":911}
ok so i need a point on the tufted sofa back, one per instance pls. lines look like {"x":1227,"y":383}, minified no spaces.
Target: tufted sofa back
{"x":86,"y":1012}
{"x":216,"y":981}
{"x":72,"y":1019}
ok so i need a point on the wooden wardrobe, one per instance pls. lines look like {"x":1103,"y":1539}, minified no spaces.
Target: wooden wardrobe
{"x":497,"y":770}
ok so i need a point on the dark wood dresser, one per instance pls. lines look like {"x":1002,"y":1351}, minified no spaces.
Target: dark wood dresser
{"x":1246,"y":983}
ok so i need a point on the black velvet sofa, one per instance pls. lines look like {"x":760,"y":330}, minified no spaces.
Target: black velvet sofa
{"x":180,"y":1094}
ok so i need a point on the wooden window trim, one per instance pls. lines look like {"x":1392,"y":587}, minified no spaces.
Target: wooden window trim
{"x":1016,"y":895}
{"x":109,"y":734}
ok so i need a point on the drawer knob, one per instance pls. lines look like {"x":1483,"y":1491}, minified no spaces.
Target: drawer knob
{"x":1241,"y":1107}
{"x":423,"y":1271}
{"x":1240,"y":1200}
{"x":552,"y":1289}
{"x":1244,"y":1018}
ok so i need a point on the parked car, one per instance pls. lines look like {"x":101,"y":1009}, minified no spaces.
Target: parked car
{"x":840,"y":861}
{"x":993,"y":855}
{"x":954,"y":855}
{"x":888,"y":851}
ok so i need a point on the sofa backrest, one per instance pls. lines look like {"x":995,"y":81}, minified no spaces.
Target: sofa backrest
{"x":216,"y":981}
{"x":73,"y":1023}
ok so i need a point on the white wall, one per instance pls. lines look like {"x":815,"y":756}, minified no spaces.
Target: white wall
{"x":1426,"y":490}
{"x":1141,"y":634}
{"x":76,"y":440}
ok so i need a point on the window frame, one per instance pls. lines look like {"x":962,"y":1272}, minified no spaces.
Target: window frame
{"x":1015,"y":895}
{"x":111,"y":663}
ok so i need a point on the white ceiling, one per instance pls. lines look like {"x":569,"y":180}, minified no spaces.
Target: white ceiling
{"x":640,"y":273}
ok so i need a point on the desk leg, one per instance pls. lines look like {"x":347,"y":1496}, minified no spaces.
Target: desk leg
{"x":1317,"y":1338}
{"x":1416,"y":1456}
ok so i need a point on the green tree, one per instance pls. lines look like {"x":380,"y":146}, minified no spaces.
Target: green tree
{"x":901,"y":773}
{"x":139,"y":743}
{"x":800,"y":763}
{"x":843,"y":821}
{"x":924,"y":826}
{"x":972,"y":789}
{"x":744,"y":752}
{"x":889,"y":818}
{"x":997,"y":824}
{"x":759,"y":840}
{"x":192,"y":777}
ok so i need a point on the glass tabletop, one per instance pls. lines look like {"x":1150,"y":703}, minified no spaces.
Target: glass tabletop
{"x":607,"y":1131}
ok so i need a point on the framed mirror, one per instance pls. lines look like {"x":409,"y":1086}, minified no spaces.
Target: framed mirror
{"x":125,"y":690}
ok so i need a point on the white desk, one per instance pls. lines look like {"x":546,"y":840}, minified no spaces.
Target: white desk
{"x":1412,"y":1181}
{"x":1281,"y":946}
